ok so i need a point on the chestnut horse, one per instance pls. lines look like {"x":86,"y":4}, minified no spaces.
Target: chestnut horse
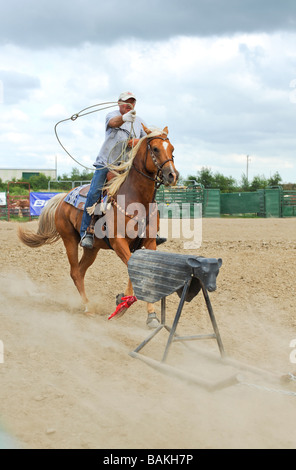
{"x":151,"y":164}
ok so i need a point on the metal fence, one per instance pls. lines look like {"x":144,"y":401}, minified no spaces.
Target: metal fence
{"x":288,"y":203}
{"x":179,"y":201}
{"x":180,"y":194}
{"x":270,"y":202}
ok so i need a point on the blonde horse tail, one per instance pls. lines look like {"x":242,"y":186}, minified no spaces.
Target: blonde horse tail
{"x":46,"y":232}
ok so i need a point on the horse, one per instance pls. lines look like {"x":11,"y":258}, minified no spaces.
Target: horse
{"x":151,"y":164}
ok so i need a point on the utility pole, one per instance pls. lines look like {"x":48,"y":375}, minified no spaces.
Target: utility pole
{"x":56,"y":167}
{"x":248,"y":158}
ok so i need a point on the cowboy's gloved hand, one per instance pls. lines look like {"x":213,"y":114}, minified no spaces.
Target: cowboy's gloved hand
{"x":130,"y":116}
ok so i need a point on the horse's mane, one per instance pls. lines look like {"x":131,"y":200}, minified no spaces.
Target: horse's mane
{"x":121,"y":171}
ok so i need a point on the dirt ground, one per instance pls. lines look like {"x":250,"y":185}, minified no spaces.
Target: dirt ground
{"x":68,"y":381}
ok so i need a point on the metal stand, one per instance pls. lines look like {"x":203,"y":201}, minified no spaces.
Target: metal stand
{"x":172,"y":330}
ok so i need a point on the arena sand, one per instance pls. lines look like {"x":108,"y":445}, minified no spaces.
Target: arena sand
{"x":68,"y":381}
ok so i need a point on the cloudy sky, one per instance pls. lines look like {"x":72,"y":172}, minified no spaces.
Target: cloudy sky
{"x":221,"y":74}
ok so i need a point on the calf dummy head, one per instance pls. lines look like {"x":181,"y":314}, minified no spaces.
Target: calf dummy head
{"x":206,"y":270}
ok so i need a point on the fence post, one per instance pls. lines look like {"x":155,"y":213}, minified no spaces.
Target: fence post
{"x":211,"y":203}
{"x":272,"y":202}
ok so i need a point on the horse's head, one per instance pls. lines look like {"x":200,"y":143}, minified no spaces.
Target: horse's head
{"x":161,"y":161}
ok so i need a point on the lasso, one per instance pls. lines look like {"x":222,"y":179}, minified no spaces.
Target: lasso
{"x":85,"y":112}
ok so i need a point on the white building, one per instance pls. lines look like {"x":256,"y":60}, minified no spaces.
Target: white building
{"x":8,"y":174}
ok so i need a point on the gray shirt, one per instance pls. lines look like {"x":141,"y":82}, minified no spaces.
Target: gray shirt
{"x":115,"y":138}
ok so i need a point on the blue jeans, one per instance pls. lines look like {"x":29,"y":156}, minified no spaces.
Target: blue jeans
{"x":94,"y":193}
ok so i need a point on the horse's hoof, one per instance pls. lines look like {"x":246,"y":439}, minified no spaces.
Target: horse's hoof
{"x":88,"y":312}
{"x":118,"y":298}
{"x":152,"y":320}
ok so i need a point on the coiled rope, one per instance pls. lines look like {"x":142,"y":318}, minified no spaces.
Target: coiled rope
{"x":85,"y":112}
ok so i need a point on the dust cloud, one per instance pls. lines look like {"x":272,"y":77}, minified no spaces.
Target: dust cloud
{"x":68,"y":381}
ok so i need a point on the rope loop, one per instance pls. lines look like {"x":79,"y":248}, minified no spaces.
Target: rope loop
{"x":110,"y":104}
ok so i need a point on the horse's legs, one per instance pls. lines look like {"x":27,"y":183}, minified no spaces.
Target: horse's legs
{"x":152,"y":320}
{"x":129,"y":288}
{"x":85,"y":262}
{"x":121,"y":248}
{"x":71,"y":246}
{"x":78,"y":269}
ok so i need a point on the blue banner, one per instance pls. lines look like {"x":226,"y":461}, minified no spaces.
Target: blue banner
{"x":38,"y":201}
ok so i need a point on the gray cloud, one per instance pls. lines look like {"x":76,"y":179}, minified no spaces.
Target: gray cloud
{"x":17,"y":86}
{"x":63,"y":23}
{"x":222,"y":94}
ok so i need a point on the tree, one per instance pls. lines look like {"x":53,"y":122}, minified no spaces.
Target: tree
{"x":204,"y":177}
{"x":258,"y":182}
{"x":275,"y":179}
{"x":3,"y":186}
{"x":75,"y":175}
{"x":226,"y":184}
{"x":85,"y":175}
{"x":209,"y":180}
{"x":245,"y":185}
{"x":39,"y":181}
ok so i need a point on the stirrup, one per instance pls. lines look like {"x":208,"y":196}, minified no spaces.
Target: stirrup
{"x":87,"y":241}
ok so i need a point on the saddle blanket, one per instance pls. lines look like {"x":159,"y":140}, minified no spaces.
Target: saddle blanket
{"x":75,"y":198}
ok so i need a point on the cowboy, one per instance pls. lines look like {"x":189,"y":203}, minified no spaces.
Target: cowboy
{"x":123,"y":130}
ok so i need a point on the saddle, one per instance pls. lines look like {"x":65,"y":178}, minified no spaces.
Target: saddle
{"x":77,"y":196}
{"x":84,"y":190}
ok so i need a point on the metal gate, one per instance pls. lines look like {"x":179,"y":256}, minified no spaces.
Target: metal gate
{"x":18,"y":205}
{"x":176,"y":197}
{"x":241,"y":203}
{"x":263,"y":203}
{"x":288,"y":201}
{"x":272,"y":202}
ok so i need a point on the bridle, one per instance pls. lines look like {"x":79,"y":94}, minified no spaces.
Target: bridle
{"x":158,"y":177}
